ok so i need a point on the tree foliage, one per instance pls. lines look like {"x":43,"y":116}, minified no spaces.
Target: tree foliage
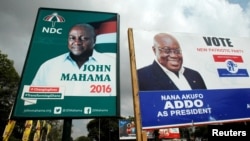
{"x":105,"y":129}
{"x":9,"y":80}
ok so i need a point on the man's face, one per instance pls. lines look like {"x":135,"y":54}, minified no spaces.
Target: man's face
{"x":80,"y":41}
{"x":168,"y":54}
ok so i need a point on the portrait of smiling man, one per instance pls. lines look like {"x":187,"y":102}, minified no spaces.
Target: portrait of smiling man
{"x":167,"y":71}
{"x":79,"y":69}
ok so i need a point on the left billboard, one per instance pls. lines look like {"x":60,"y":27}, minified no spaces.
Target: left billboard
{"x":71,"y":69}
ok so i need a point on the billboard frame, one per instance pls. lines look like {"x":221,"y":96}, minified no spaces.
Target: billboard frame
{"x":53,"y":31}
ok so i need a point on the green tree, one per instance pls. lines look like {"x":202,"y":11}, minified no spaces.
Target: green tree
{"x":105,"y":129}
{"x":9,"y":80}
{"x":9,"y":83}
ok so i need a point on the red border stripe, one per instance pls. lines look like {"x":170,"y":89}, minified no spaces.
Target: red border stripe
{"x":223,"y":58}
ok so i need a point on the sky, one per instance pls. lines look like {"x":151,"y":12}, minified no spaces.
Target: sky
{"x":209,"y":17}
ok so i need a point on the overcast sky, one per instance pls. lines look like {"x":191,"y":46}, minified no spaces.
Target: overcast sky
{"x":210,"y":17}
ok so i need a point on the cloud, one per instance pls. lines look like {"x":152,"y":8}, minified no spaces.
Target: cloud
{"x":79,"y":127}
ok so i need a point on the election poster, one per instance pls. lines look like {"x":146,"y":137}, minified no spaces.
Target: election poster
{"x":71,"y":67}
{"x":169,"y":133}
{"x":189,"y":79}
{"x":127,"y":130}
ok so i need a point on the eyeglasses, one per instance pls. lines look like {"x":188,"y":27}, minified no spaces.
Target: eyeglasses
{"x":81,"y":38}
{"x":169,"y":51}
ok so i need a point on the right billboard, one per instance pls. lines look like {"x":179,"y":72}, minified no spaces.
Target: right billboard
{"x":189,"y":79}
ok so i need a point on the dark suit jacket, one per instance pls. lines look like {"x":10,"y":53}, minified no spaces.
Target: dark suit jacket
{"x":152,"y":77}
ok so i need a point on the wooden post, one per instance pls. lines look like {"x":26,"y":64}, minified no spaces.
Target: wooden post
{"x":144,"y":136}
{"x":135,"y":88}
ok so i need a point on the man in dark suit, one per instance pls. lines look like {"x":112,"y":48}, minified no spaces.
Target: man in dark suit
{"x":166,"y":72}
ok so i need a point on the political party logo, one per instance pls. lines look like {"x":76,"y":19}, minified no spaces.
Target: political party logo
{"x":53,"y":18}
{"x":230,"y":66}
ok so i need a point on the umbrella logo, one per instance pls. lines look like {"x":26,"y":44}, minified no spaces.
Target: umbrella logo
{"x":54,"y":18}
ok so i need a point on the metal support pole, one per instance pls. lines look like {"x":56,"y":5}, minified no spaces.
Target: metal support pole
{"x":66,"y":136}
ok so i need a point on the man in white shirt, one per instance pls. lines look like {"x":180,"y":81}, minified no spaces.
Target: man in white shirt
{"x":82,"y":71}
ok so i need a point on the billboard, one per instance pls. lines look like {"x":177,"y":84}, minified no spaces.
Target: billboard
{"x":127,"y":130}
{"x":189,"y":79}
{"x":71,"y":69}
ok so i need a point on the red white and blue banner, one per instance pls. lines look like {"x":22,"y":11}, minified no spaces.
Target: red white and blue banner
{"x":234,"y":66}
{"x":223,"y":63}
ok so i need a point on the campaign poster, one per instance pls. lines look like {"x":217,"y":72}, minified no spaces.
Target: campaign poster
{"x":169,"y":133}
{"x":189,"y":79}
{"x":127,"y":130}
{"x":71,"y":68}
